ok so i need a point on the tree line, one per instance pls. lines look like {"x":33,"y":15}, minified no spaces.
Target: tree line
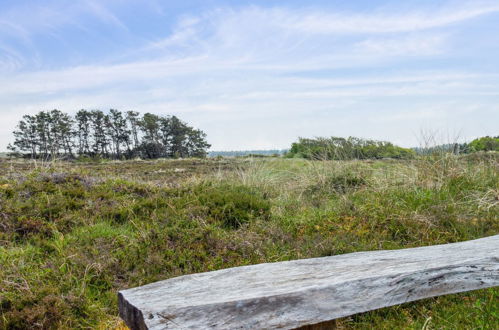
{"x":356,"y":148}
{"x":113,"y":134}
{"x":350,"y":148}
{"x":486,"y":143}
{"x":483,"y":144}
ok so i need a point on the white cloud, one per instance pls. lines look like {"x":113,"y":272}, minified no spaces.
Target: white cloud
{"x":420,"y":45}
{"x":25,"y":21}
{"x":104,"y":14}
{"x":333,"y":23}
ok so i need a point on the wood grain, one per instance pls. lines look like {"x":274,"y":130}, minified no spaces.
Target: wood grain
{"x":293,"y":294}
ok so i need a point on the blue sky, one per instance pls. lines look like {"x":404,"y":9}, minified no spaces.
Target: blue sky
{"x":259,"y":74}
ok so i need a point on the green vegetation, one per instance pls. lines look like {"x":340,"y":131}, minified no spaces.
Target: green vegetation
{"x":336,"y":148}
{"x":73,"y":234}
{"x":486,"y":143}
{"x":248,"y":153}
{"x":483,"y":144}
{"x":95,"y":134}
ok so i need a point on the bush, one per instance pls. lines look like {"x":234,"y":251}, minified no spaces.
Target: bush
{"x":486,"y":143}
{"x":341,"y":183}
{"x":351,"y":148}
{"x":233,"y":205}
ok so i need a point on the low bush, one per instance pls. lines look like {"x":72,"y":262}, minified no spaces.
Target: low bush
{"x":233,"y":205}
{"x":337,"y":184}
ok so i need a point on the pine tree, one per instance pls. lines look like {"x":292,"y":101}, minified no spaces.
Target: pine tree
{"x":134,"y":122}
{"x":196,"y":143}
{"x":83,"y":121}
{"x":100,"y":140}
{"x":26,"y":136}
{"x":118,"y":131}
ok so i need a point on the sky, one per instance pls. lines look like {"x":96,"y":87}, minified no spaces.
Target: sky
{"x":259,"y":74}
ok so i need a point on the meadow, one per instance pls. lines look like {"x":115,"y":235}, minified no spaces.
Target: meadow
{"x":74,"y":233}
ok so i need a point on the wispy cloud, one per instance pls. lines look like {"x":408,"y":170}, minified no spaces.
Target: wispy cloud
{"x":420,"y":45}
{"x":256,"y":34}
{"x":22,"y":24}
{"x":104,"y":14}
{"x":382,"y":23}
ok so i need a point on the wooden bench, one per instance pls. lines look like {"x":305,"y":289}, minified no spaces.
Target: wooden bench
{"x":293,"y":294}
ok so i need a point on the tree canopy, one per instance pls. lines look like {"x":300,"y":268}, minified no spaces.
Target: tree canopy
{"x":486,"y":143}
{"x":350,"y":148}
{"x":115,"y":134}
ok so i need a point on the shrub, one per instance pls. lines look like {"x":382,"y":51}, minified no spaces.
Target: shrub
{"x":350,"y":148}
{"x":486,"y":143}
{"x":340,"y":184}
{"x":233,"y":205}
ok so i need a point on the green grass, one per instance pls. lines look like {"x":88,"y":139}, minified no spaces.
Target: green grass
{"x":73,"y":234}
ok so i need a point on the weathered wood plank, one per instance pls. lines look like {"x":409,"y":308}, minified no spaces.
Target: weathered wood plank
{"x":292,"y":294}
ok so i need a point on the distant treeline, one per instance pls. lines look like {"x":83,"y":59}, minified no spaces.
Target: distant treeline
{"x":349,"y":148}
{"x":115,"y":134}
{"x":357,"y":148}
{"x":485,"y":143}
{"x":242,"y":153}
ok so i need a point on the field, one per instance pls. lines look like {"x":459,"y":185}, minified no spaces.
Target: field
{"x":73,"y":234}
